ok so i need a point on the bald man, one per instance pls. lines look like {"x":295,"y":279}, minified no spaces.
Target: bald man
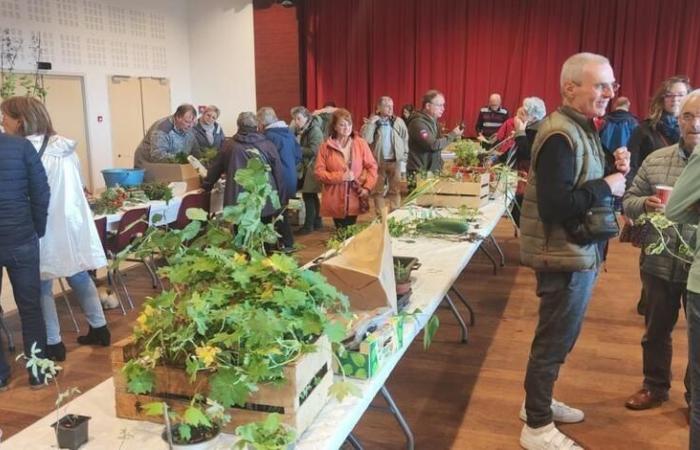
{"x":490,"y":119}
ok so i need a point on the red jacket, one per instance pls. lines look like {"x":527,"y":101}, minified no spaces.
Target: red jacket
{"x":338,"y":198}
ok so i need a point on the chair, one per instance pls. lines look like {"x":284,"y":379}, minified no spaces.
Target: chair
{"x":132,"y":225}
{"x":192,"y":200}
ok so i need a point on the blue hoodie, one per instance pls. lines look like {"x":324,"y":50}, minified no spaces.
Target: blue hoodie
{"x":290,"y":154}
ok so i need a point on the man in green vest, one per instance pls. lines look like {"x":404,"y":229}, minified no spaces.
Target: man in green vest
{"x":567,"y":177}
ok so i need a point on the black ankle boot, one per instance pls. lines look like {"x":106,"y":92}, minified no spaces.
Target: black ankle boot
{"x":56,"y":352}
{"x":96,"y":336}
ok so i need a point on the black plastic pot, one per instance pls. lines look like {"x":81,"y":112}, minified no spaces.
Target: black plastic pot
{"x":71,"y":431}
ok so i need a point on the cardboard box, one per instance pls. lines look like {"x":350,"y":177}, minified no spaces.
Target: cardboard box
{"x":172,"y":172}
{"x":364,"y":270}
{"x":365,"y":362}
{"x":454,"y":193}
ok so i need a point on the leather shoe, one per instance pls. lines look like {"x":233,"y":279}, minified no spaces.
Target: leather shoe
{"x":645,"y":399}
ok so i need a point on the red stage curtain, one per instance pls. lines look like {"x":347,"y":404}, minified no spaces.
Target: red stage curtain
{"x":358,"y":50}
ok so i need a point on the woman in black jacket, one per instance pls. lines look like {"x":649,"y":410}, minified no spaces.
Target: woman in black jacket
{"x":660,"y":128}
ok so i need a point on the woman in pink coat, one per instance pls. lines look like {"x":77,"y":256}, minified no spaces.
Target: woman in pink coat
{"x":347,"y":171}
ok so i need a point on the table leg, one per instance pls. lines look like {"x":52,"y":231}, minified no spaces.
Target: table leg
{"x":354,"y":442}
{"x":410,"y":440}
{"x":458,"y":316}
{"x":489,"y":256}
{"x":498,"y":249}
{"x":472,"y":316}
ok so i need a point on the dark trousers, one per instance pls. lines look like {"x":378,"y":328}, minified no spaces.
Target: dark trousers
{"x":664,"y":300}
{"x":564,"y":298}
{"x":284,"y":229}
{"x":517,"y":206}
{"x":345,"y":221}
{"x":22,"y":264}
{"x":693,"y":314}
{"x":312,"y":208}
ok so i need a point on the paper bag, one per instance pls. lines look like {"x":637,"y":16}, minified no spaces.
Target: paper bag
{"x":364,"y":270}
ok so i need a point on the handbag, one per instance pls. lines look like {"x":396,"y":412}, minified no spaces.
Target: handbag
{"x":597,"y":224}
{"x":357,"y":187}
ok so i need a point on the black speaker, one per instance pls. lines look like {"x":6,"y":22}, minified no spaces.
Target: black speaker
{"x":43,"y":65}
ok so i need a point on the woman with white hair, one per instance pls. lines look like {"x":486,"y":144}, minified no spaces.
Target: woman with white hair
{"x":518,"y":134}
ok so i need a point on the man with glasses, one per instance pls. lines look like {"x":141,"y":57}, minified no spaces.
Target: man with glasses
{"x":566,"y":179}
{"x":424,"y":139}
{"x":684,"y":207}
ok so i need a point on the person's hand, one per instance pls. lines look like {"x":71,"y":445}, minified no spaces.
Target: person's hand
{"x":457,"y":131}
{"x":622,"y":160}
{"x":373,"y":119}
{"x":364,"y":193}
{"x":348,"y":175}
{"x":481,"y":138}
{"x":519,"y":123}
{"x":653,"y":204}
{"x":616,"y":181}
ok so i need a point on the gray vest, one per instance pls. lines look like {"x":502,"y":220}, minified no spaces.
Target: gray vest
{"x":545,"y":247}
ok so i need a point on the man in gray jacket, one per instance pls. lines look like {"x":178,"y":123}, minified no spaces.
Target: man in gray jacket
{"x":388,"y":137}
{"x":663,"y":275}
{"x":167,"y":137}
{"x":684,"y":207}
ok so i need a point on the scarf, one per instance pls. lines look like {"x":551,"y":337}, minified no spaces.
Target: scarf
{"x":209,"y":130}
{"x":668,"y":127}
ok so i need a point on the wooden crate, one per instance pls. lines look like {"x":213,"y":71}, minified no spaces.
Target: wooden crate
{"x":452,"y":193}
{"x":173,"y":387}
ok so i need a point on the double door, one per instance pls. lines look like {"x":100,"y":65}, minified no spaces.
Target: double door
{"x":134,"y":104}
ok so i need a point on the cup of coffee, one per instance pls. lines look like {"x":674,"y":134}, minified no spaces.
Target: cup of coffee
{"x":663,"y":192}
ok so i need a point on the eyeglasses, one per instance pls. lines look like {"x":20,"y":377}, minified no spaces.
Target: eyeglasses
{"x":672,"y":95}
{"x":689,"y":117}
{"x":439,"y":105}
{"x":602,"y":87}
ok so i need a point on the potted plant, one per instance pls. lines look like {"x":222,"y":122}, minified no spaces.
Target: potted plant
{"x":233,"y":318}
{"x":71,"y":429}
{"x":197,"y":428}
{"x":271,"y":434}
{"x":402,"y":273}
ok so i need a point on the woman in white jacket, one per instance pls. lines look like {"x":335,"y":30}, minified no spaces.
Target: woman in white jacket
{"x":71,"y":245}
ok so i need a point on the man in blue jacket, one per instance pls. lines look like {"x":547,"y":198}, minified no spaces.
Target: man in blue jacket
{"x":24,"y":201}
{"x":290,"y":154}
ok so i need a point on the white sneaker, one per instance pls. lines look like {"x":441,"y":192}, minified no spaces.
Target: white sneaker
{"x":547,"y":437}
{"x":560,"y":413}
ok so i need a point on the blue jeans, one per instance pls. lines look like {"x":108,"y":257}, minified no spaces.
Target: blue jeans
{"x":22,"y":264}
{"x":86,"y":292}
{"x":564,"y":298}
{"x":692,"y":311}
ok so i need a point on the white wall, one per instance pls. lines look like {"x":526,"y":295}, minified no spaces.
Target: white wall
{"x":96,"y":39}
{"x":222,"y":56}
{"x":205,"y":48}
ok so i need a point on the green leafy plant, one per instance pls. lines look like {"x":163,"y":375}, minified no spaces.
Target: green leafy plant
{"x":270,"y":434}
{"x":116,"y":197}
{"x":198,"y":422}
{"x":48,"y":370}
{"x":665,"y":229}
{"x":231,"y":311}
{"x":157,"y":190}
{"x":340,"y":235}
{"x":208,"y":155}
{"x":402,"y":272}
{"x":466,"y":152}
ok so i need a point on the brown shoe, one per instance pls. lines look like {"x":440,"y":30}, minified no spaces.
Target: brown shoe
{"x":645,"y":399}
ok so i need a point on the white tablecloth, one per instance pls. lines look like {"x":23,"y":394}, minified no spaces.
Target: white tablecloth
{"x":442,"y":262}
